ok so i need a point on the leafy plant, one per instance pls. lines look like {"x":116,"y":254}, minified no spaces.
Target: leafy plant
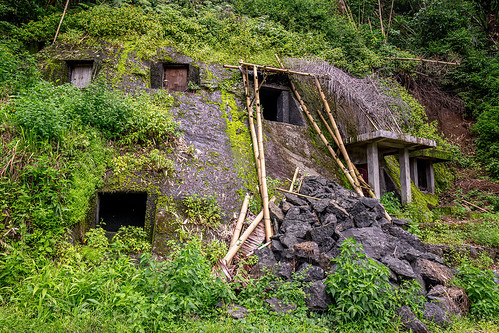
{"x":130,"y":239}
{"x":391,"y":203}
{"x":362,"y":294}
{"x":203,"y":210}
{"x":482,"y":290}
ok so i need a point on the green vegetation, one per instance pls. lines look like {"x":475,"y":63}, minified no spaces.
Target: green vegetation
{"x":58,"y":142}
{"x":481,"y":289}
{"x":203,"y":210}
{"x":364,"y":300}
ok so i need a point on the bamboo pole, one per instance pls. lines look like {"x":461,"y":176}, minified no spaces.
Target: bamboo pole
{"x":60,"y":22}
{"x":295,"y":193}
{"x":261,"y":155}
{"x":294,"y":179}
{"x":323,"y":138}
{"x":252,"y":125}
{"x":240,"y":220}
{"x":337,"y":134}
{"x":233,"y":250}
{"x":269,"y":68}
{"x":426,"y":60}
{"x":328,"y":128}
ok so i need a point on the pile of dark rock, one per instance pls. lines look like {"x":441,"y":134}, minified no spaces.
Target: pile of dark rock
{"x":311,"y":228}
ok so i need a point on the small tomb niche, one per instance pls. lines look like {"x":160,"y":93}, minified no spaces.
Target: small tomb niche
{"x":175,"y":77}
{"x":422,"y":182}
{"x":116,"y":209}
{"x":279,"y":105}
{"x":80,"y":73}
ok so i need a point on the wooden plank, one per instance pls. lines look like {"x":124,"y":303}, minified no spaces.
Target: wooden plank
{"x":175,"y":78}
{"x":81,"y":75}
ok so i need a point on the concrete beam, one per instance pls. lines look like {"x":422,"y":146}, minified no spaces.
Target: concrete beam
{"x":430,"y":177}
{"x":405,"y":178}
{"x":373,"y":168}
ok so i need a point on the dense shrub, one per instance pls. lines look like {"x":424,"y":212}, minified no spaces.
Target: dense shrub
{"x":487,"y":129}
{"x":482,"y":290}
{"x":363,"y":297}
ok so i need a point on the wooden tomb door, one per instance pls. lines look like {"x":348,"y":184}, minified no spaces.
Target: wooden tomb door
{"x":175,"y":78}
{"x":81,"y":75}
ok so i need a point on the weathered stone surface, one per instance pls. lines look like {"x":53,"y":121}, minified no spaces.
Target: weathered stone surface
{"x":308,"y":273}
{"x":317,"y":299}
{"x":453,"y":300}
{"x":288,"y":241}
{"x":400,"y":222}
{"x":279,"y":306}
{"x":236,"y":311}
{"x":307,"y":251}
{"x":410,"y":321}
{"x":295,"y":200}
{"x":320,"y":234}
{"x":364,"y":219}
{"x":433,"y":312}
{"x":276,"y":213}
{"x":433,"y":273}
{"x":320,"y":205}
{"x":284,"y":269}
{"x":267,"y":259}
{"x":399,"y":267}
{"x":375,"y":242}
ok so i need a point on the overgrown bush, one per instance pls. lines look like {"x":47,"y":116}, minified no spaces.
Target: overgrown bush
{"x":482,"y":290}
{"x":362,"y":295}
{"x":203,"y":210}
{"x":130,"y":239}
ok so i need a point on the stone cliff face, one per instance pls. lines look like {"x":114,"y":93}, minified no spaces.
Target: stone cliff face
{"x":214,"y":155}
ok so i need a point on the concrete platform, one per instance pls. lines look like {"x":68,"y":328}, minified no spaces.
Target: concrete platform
{"x":390,"y":142}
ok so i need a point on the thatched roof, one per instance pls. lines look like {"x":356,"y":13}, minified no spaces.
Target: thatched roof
{"x":360,"y":103}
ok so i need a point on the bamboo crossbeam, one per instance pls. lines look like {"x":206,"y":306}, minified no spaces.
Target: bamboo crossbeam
{"x":269,"y":68}
{"x":261,"y":155}
{"x":295,"y":193}
{"x":240,"y":220}
{"x":321,"y":135}
{"x":426,"y":60}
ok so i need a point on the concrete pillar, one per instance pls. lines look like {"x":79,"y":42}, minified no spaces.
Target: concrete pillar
{"x":373,"y":168}
{"x":430,"y":177}
{"x":405,"y":178}
{"x":283,"y":107}
{"x":414,"y":171}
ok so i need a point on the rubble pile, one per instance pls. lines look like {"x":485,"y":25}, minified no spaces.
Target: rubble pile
{"x":312,"y":227}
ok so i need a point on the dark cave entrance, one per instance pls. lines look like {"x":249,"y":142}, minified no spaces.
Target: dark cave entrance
{"x":116,"y":209}
{"x":279,"y":105}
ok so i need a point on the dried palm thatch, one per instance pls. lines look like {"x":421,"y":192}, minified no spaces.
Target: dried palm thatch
{"x":361,"y":106}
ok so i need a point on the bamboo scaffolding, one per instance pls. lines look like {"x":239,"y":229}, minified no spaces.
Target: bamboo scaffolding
{"x":233,"y":250}
{"x":240,"y":220}
{"x":60,"y":22}
{"x":252,"y":125}
{"x":261,"y":155}
{"x":337,"y":134}
{"x":321,"y":135}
